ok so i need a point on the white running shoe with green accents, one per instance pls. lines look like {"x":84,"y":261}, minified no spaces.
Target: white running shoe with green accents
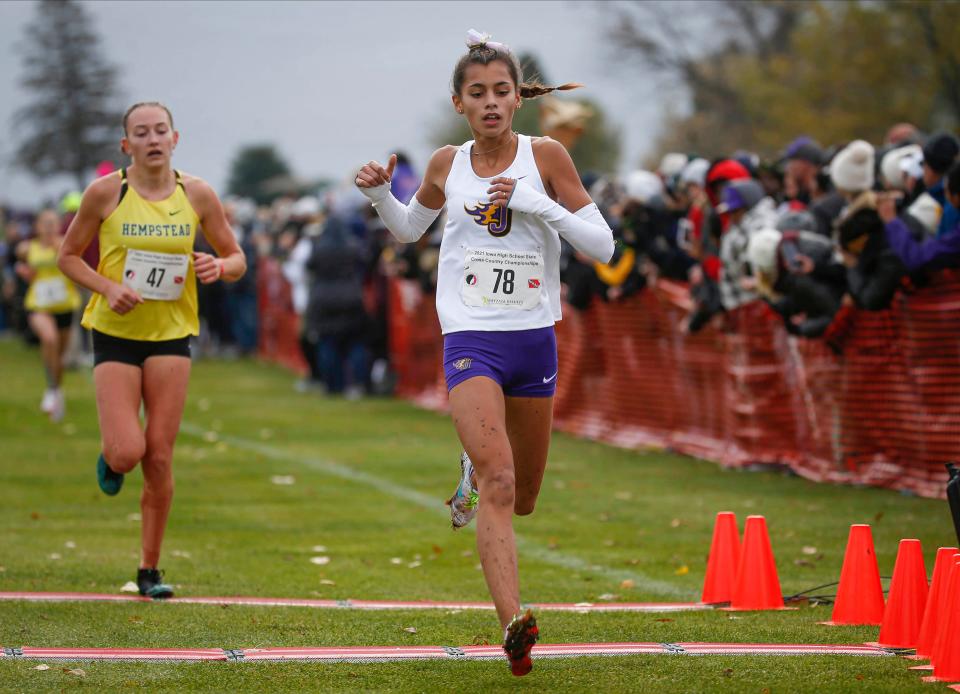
{"x":464,"y":502}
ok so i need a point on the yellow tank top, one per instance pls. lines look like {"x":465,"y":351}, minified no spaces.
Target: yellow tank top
{"x":50,"y":291}
{"x":148,"y":241}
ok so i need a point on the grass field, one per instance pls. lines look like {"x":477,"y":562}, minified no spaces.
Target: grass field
{"x":369,"y":478}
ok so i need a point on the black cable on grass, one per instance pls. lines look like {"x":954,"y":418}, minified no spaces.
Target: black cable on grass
{"x":823,"y":599}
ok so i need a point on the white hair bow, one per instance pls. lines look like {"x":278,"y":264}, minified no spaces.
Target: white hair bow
{"x":475,"y":38}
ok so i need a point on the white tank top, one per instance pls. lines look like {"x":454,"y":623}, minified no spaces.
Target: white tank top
{"x":499,"y":268}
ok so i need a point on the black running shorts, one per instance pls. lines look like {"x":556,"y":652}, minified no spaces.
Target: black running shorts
{"x":135,"y":352}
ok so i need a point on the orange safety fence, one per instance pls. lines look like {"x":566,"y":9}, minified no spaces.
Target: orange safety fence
{"x":885,"y":411}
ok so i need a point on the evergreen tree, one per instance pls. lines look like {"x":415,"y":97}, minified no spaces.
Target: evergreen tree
{"x":253,"y":166}
{"x":73,"y":122}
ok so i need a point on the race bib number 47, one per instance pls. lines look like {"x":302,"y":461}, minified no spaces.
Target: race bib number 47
{"x":502,"y":279}
{"x":157,"y":276}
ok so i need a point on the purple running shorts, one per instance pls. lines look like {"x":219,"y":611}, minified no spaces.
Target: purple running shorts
{"x":523,"y":362}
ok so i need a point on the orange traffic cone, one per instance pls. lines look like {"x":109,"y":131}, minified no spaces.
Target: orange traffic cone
{"x":936,"y":601}
{"x":946,"y":653}
{"x":859,"y":596}
{"x":907,"y":598}
{"x":723,"y":560}
{"x":757,"y":586}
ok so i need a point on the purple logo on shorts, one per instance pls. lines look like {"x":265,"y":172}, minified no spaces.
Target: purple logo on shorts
{"x":495,"y":218}
{"x":461,"y":364}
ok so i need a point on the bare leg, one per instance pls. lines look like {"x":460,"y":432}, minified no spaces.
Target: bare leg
{"x":478,"y":410}
{"x":118,"y":388}
{"x":45,"y":328}
{"x":164,"y":394}
{"x":529,"y":422}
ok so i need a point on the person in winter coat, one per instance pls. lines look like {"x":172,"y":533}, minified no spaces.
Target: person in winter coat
{"x":790,"y":270}
{"x":874,"y":271}
{"x":749,"y":210}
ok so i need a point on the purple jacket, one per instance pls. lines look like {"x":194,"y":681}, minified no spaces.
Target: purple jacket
{"x":933,"y":253}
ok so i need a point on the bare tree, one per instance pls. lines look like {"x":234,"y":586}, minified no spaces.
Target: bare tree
{"x":73,"y":121}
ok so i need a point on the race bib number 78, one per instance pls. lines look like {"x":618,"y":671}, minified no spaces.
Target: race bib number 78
{"x":502,"y":279}
{"x":157,"y":276}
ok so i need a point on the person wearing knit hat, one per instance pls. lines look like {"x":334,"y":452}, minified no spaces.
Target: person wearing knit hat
{"x":890,"y":166}
{"x":939,"y":153}
{"x":873,"y":269}
{"x":748,"y":211}
{"x":931,"y":253}
{"x":803,"y":158}
{"x":852,"y":169}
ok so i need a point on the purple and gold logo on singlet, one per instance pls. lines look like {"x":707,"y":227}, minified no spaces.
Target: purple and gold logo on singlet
{"x":495,"y":218}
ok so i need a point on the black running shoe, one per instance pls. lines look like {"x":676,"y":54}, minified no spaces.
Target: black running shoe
{"x":518,"y":640}
{"x":150,"y":582}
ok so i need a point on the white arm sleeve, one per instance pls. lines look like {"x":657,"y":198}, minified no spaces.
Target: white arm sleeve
{"x":406,"y":222}
{"x":586,"y":230}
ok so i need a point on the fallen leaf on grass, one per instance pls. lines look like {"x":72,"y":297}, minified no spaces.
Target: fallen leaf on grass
{"x":76,"y":672}
{"x":809,"y":550}
{"x":682,"y":570}
{"x":327,"y":582}
{"x":803,"y":562}
{"x":319,"y":548}
{"x":34,"y":516}
{"x":410,"y":630}
{"x":663,"y":619}
{"x":728,"y":672}
{"x":627,"y":583}
{"x":320,"y":561}
{"x":134,"y":517}
{"x":623,"y":496}
{"x":396,"y":560}
{"x":283,"y":480}
{"x":437,"y":549}
{"x":54,"y":556}
{"x":211,"y":436}
{"x":877,"y":518}
{"x":70,"y":544}
{"x":129,"y":587}
{"x":413,"y":565}
{"x":2,"y":569}
{"x":136,"y":619}
{"x":552,"y":543}
{"x":607,"y":597}
{"x":676,"y":523}
{"x":480,"y":640}
{"x":180,"y":553}
{"x":41,"y":666}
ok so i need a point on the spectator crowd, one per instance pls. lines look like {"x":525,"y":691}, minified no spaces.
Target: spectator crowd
{"x":815,"y":233}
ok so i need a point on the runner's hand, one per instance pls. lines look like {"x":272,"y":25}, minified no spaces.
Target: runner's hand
{"x":207,"y":267}
{"x":373,"y":174}
{"x":501,"y":190}
{"x":122,"y":299}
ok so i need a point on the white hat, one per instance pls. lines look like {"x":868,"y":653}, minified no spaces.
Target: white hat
{"x":852,"y":168}
{"x":890,"y":164}
{"x":672,"y":164}
{"x":926,"y":210}
{"x":912,"y":165}
{"x":695,"y":172}
{"x":643,"y":186}
{"x":762,"y":250}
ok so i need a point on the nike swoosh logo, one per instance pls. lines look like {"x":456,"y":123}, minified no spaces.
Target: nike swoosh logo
{"x":547,"y":380}
{"x":174,"y":212}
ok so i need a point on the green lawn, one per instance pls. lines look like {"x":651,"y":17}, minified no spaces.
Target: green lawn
{"x":368,"y":483}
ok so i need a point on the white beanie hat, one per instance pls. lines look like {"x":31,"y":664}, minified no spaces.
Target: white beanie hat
{"x":672,"y":164}
{"x":852,"y":168}
{"x":890,"y":164}
{"x":643,"y":186}
{"x":695,"y":172}
{"x":926,"y":210}
{"x":762,"y":250}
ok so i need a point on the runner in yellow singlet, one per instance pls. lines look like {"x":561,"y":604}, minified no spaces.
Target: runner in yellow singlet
{"x":144,"y":309}
{"x":51,"y":300}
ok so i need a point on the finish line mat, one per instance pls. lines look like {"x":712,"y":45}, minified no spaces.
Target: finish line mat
{"x":384,"y":654}
{"x":359,"y":604}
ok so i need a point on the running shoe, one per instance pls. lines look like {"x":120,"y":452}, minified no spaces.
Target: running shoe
{"x":150,"y":582}
{"x":463,"y":503}
{"x":46,"y":404}
{"x":109,"y":481}
{"x":518,"y":640}
{"x":59,"y":409}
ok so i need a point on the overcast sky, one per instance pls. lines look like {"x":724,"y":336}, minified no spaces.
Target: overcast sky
{"x":331,"y":84}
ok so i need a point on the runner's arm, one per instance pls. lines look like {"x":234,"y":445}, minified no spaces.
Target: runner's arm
{"x":230,"y":263}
